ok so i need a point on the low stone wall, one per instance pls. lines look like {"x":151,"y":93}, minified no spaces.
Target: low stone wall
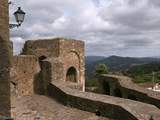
{"x":128,"y":89}
{"x":108,"y":106}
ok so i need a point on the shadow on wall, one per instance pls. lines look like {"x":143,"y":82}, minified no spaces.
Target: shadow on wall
{"x":132,"y":97}
{"x":117,"y":92}
{"x":106,"y":88}
{"x":38,"y":84}
{"x":38,"y":78}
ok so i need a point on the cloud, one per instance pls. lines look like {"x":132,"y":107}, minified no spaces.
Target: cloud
{"x":119,"y":27}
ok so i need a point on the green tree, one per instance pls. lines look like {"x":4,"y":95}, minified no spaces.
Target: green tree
{"x":101,"y":69}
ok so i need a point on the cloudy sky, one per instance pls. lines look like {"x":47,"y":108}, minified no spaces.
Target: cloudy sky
{"x":108,"y":27}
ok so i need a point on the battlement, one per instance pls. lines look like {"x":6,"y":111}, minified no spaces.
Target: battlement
{"x":52,"y":47}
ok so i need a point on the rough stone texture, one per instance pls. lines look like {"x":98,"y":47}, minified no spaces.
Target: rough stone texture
{"x":108,"y":106}
{"x":23,"y":76}
{"x":62,"y":54}
{"x":127,"y":89}
{"x":44,"y":108}
{"x":5,"y":59}
{"x":52,"y":60}
{"x":47,"y":71}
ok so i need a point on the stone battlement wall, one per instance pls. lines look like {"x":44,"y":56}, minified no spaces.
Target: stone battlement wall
{"x":121,"y":86}
{"x":108,"y":106}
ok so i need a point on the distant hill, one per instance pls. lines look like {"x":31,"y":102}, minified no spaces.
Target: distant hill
{"x":116,"y":63}
{"x":93,"y":59}
{"x":144,"y":73}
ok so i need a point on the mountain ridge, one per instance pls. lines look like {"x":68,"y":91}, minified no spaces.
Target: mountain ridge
{"x":116,"y":63}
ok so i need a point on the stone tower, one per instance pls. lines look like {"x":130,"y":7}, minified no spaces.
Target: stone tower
{"x":65,"y":55}
{"x":5,"y":59}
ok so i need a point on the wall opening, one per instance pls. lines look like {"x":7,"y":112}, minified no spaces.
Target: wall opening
{"x":40,"y":59}
{"x":71,"y":75}
{"x":117,"y":92}
{"x":106,"y":88}
{"x":132,"y":97}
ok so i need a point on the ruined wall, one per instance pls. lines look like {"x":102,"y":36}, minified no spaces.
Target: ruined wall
{"x":103,"y":105}
{"x":72,"y":53}
{"x":24,"y":72}
{"x":121,"y":86}
{"x":5,"y":59}
{"x":62,"y":54}
{"x":45,"y":47}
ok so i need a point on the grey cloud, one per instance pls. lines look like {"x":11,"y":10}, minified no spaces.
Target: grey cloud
{"x":116,"y":27}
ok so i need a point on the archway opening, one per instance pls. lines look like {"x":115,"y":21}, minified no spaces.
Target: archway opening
{"x":132,"y":97}
{"x":106,"y":88}
{"x":117,"y":92}
{"x":71,"y":75}
{"x":40,"y":59}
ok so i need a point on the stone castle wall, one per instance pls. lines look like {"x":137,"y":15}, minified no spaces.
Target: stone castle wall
{"x":62,"y":54}
{"x":5,"y":59}
{"x":72,"y":53}
{"x":103,"y":105}
{"x":123,"y":87}
{"x":4,"y":20}
{"x":23,"y":75}
{"x":45,"y":47}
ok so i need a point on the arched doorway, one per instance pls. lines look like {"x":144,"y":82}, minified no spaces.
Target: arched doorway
{"x":117,"y":92}
{"x":71,"y":75}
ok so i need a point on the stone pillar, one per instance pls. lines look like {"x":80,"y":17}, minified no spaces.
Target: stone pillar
{"x":5,"y":59}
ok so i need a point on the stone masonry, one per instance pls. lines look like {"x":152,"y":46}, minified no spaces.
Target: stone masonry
{"x":55,"y":69}
{"x":65,"y":56}
{"x":59,"y":58}
{"x":23,"y":75}
{"x":5,"y":59}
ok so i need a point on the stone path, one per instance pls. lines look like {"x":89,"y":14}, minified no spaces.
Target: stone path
{"x":44,"y":108}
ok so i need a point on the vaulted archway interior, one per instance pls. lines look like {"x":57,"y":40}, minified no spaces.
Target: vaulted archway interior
{"x":71,"y":75}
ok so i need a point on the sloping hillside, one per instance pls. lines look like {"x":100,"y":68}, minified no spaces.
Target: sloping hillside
{"x":116,"y":63}
{"x":145,"y":73}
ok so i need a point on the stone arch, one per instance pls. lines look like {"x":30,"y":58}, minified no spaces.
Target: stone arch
{"x":71,"y":74}
{"x":117,"y":92}
{"x":71,"y":60}
{"x":132,"y":97}
{"x":78,"y":56}
{"x":106,"y":88}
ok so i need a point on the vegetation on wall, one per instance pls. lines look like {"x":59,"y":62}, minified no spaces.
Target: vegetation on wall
{"x":101,"y":69}
{"x":93,"y":82}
